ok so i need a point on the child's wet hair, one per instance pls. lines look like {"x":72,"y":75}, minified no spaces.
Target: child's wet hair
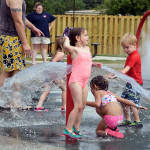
{"x":59,"y":43}
{"x":73,"y":33}
{"x":100,"y":81}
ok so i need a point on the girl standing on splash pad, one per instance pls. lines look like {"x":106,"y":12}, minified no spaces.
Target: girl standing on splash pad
{"x":81,"y":71}
{"x":58,"y":57}
{"x":108,"y":108}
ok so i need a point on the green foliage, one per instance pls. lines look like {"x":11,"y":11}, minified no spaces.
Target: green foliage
{"x":30,"y":4}
{"x":125,"y":7}
{"x":111,"y":7}
{"x":90,"y":4}
{"x":56,"y":6}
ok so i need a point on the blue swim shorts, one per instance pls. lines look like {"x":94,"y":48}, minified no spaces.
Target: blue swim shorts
{"x":131,"y":94}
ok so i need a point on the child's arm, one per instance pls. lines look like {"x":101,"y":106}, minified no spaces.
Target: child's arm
{"x":128,"y":102}
{"x":126,"y":69}
{"x":97,"y":102}
{"x":59,"y":56}
{"x":110,"y":76}
{"x":97,"y":64}
{"x":67,"y":45}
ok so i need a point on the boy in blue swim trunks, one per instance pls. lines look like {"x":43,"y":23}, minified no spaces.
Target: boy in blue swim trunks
{"x":132,"y":68}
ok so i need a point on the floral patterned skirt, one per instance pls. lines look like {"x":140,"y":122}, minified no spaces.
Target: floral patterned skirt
{"x":12,"y":56}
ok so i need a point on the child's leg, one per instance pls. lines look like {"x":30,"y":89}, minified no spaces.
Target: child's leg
{"x":135,"y":99}
{"x":79,"y":117}
{"x":3,"y":76}
{"x":43,"y":51}
{"x":16,"y":100}
{"x":135,"y":114}
{"x":100,"y":130}
{"x":126,"y":111}
{"x":42,"y":98}
{"x":63,"y":96}
{"x":34,"y":53}
{"x":76,"y":92}
{"x":103,"y":130}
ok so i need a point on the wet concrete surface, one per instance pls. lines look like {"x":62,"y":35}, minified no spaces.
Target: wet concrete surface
{"x":42,"y":130}
{"x":30,"y":130}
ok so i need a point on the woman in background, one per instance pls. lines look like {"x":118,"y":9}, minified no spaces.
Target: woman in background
{"x":43,"y":21}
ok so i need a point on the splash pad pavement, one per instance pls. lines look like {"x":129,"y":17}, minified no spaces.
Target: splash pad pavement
{"x":28,"y":130}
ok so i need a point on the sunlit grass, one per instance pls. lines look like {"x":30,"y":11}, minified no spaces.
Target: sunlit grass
{"x":110,"y":61}
{"x":120,"y":62}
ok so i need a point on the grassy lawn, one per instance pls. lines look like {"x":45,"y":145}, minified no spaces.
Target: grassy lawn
{"x":121,"y":62}
{"x":101,"y":61}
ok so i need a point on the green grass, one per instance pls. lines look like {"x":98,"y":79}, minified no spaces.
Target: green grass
{"x":37,"y":59}
{"x":101,"y":61}
{"x":121,"y":62}
{"x":110,"y":61}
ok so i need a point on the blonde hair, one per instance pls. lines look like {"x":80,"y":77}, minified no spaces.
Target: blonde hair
{"x":128,"y":38}
{"x":36,"y":5}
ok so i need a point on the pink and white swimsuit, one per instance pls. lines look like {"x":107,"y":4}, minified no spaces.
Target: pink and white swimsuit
{"x":107,"y":99}
{"x":81,"y":69}
{"x":112,"y":121}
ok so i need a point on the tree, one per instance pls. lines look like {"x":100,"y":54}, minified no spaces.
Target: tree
{"x":90,"y":4}
{"x":125,"y":7}
{"x":30,"y":4}
{"x":56,"y":6}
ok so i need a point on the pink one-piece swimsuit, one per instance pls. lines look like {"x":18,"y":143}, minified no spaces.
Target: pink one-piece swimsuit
{"x":81,"y":69}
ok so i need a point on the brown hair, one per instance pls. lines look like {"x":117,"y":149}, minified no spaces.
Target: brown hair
{"x":36,"y":5}
{"x":59,"y":43}
{"x":73,"y":33}
{"x":100,"y":81}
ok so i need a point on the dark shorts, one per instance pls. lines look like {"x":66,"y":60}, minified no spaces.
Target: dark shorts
{"x":131,"y":94}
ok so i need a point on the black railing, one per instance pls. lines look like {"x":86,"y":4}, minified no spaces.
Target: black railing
{"x":50,"y":49}
{"x":95,"y":48}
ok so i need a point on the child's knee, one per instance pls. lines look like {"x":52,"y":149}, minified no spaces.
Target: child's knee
{"x":98,"y":132}
{"x":16,"y":86}
{"x":81,"y":107}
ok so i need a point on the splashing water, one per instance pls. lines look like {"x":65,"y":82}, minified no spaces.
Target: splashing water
{"x":145,"y":55}
{"x":145,"y":93}
{"x":20,"y":89}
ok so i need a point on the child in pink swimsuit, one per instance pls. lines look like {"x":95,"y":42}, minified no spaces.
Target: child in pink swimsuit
{"x":57,"y":57}
{"x":108,"y":108}
{"x":81,"y":71}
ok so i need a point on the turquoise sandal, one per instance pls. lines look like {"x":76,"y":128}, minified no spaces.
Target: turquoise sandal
{"x":71,"y":134}
{"x":77,"y":132}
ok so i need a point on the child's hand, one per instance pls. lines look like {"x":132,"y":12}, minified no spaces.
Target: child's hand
{"x":113,"y":77}
{"x":96,"y":64}
{"x":141,"y":107}
{"x":110,"y":76}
